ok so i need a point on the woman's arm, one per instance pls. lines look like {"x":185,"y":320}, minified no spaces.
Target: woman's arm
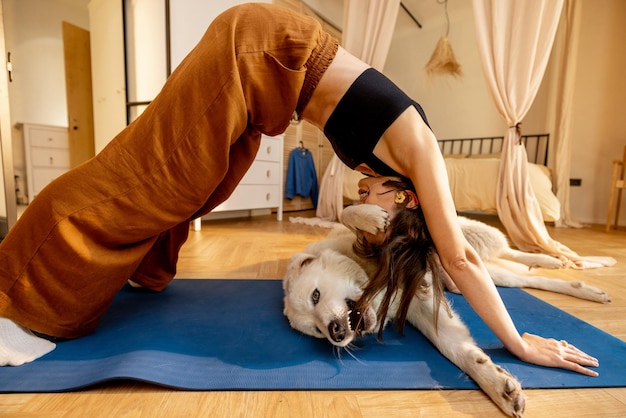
{"x":410,"y":147}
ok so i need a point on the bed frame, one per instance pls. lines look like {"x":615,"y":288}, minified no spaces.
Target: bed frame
{"x":536,"y":146}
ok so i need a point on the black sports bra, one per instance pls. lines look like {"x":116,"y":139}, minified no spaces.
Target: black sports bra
{"x":367,"y":109}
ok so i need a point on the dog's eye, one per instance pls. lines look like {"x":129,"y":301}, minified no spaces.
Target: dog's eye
{"x":315,"y":297}
{"x":363,"y":194}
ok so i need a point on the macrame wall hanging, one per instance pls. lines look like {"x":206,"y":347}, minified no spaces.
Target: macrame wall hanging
{"x":443,"y":60}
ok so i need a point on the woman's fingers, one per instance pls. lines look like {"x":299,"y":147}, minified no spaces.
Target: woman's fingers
{"x":553,"y":353}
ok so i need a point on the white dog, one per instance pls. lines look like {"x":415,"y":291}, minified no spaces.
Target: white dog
{"x":323,"y":283}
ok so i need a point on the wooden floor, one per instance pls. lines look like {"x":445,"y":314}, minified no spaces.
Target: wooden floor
{"x":261,"y":248}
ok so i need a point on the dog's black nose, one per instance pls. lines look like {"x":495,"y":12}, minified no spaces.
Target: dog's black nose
{"x":336,"y":331}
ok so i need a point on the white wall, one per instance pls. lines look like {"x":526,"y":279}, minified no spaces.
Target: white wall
{"x":34,"y":37}
{"x":189,"y":20}
{"x":599,"y":131}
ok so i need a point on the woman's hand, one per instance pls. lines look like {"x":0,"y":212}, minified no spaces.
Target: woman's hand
{"x":552,"y":353}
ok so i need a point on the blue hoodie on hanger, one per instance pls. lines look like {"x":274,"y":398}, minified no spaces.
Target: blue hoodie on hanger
{"x":301,"y":176}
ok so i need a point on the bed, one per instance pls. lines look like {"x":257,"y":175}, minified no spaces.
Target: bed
{"x":472,"y":165}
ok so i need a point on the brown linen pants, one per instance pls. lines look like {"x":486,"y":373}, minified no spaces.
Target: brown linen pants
{"x":125,"y":213}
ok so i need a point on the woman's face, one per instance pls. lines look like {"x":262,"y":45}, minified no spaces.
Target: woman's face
{"x":374,"y":191}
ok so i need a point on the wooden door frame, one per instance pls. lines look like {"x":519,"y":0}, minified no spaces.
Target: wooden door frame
{"x":78,"y":85}
{"x":6,"y":146}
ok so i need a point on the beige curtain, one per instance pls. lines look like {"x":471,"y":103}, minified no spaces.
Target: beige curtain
{"x":515,"y":38}
{"x":368,"y":28}
{"x":367,"y":31}
{"x":564,"y":63}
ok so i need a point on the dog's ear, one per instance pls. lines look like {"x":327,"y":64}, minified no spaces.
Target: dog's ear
{"x":301,"y":260}
{"x":306,"y":261}
{"x":298,"y":261}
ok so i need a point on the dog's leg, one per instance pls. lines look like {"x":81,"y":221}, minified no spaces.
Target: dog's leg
{"x":507,"y":278}
{"x":491,"y":243}
{"x":531,"y":259}
{"x":452,"y":338}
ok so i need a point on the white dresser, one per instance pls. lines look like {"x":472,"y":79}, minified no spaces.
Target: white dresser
{"x":46,"y":155}
{"x":262,"y":185}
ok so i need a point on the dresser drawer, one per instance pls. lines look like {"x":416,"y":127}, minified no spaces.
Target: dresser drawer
{"x":261,"y":188}
{"x":263,"y":172}
{"x":248,"y":196}
{"x":270,"y":149}
{"x":43,"y":176}
{"x":48,"y":138}
{"x":50,"y":157}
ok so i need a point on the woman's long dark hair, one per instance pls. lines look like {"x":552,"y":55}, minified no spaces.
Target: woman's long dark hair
{"x":404,"y":256}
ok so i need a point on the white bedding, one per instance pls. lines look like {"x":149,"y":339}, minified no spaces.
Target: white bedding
{"x":473,"y":185}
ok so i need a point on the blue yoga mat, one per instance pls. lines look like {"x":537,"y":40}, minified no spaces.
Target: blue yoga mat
{"x":231,"y":334}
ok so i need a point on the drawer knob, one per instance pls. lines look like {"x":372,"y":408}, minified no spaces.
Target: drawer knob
{"x":269,"y":149}
{"x":268,"y":174}
{"x":268,"y":196}
{"x":51,"y":161}
{"x":50,"y":139}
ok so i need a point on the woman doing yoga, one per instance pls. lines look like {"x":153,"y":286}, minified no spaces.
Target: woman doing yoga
{"x":124,"y":214}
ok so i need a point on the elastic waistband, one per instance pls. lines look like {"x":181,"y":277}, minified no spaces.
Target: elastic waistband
{"x":319,"y":60}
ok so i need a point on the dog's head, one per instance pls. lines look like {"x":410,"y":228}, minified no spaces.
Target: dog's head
{"x":320,"y":295}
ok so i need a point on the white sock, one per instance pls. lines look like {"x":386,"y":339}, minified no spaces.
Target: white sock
{"x":19,"y":345}
{"x":134,"y":284}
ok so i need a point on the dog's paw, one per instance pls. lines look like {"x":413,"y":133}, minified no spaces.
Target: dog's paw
{"x":513,"y":398}
{"x":365,"y":217}
{"x":584,"y":291}
{"x":500,"y":385}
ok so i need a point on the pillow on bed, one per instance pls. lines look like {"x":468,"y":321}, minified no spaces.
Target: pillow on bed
{"x":473,"y":184}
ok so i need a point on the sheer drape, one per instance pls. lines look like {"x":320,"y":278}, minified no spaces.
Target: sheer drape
{"x":515,"y":38}
{"x":368,"y":28}
{"x":367,"y":31}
